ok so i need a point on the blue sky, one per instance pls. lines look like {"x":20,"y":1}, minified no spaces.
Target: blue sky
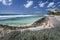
{"x":28,"y":6}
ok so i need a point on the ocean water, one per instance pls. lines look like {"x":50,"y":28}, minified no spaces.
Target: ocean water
{"x":19,"y":20}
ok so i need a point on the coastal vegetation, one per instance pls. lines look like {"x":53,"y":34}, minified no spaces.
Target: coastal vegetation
{"x":55,"y":12}
{"x":46,"y":34}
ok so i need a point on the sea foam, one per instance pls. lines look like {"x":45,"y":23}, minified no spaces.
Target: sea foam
{"x":13,"y":16}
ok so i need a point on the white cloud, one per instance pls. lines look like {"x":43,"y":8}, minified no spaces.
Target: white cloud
{"x":8,"y":12}
{"x":6,"y":2}
{"x":58,"y":3}
{"x":51,"y":4}
{"x":52,"y":9}
{"x":0,"y":0}
{"x":29,"y":3}
{"x":35,"y":7}
{"x":42,"y":4}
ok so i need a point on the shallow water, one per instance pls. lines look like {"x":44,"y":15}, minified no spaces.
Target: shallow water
{"x":20,"y":20}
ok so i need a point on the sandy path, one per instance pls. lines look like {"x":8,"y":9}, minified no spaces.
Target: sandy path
{"x":54,"y":21}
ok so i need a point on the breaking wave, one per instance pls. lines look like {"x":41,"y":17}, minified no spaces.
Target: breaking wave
{"x":13,"y":16}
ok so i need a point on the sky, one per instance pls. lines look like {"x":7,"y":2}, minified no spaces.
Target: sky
{"x":28,"y":6}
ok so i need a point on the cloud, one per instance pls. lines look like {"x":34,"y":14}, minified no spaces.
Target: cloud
{"x":35,"y":7}
{"x":0,"y":0}
{"x":29,"y":3}
{"x":8,"y":12}
{"x":51,"y":4}
{"x":58,"y":2}
{"x":6,"y":2}
{"x":52,"y":9}
{"x":42,"y":4}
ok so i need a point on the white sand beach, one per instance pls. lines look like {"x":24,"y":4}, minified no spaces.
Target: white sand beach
{"x":44,"y":26}
{"x":53,"y":21}
{"x":57,"y":18}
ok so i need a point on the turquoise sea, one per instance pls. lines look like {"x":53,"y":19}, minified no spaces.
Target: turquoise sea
{"x":19,"y":20}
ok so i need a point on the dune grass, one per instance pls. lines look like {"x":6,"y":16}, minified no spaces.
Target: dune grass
{"x":46,"y":34}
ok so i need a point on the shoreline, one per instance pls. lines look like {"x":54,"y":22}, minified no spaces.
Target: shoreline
{"x":35,"y":24}
{"x":41,"y":24}
{"x":44,"y":23}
